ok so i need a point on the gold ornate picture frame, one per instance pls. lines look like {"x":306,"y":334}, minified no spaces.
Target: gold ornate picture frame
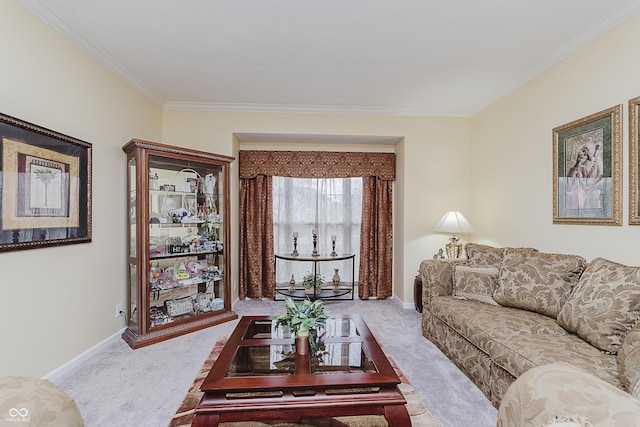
{"x":634,"y":178}
{"x":587,"y":170}
{"x":45,"y":187}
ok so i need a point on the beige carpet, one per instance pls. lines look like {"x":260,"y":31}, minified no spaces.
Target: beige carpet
{"x":418,"y":411}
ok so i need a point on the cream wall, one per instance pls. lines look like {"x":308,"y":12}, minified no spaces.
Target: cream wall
{"x":511,"y":165}
{"x":58,"y":302}
{"x":424,"y":188}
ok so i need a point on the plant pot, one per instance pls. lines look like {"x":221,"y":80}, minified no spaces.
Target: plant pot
{"x":302,"y":342}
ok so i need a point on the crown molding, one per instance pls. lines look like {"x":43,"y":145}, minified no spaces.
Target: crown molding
{"x":315,"y":139}
{"x":42,"y":11}
{"x":288,"y":108}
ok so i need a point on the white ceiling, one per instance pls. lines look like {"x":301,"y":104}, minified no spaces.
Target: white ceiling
{"x":400,"y":57}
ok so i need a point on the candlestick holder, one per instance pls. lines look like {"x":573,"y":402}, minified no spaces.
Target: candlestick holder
{"x":295,"y":247}
{"x":333,"y":247}
{"x":315,"y":245}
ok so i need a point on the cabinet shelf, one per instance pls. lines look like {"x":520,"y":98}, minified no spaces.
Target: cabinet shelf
{"x":185,"y":254}
{"x":186,"y":193}
{"x":172,"y":292}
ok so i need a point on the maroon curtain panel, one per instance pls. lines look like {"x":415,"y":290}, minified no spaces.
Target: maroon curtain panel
{"x":257,"y":271}
{"x":376,"y":239}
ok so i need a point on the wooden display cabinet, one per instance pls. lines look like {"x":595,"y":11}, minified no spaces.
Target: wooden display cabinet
{"x":178,"y":254}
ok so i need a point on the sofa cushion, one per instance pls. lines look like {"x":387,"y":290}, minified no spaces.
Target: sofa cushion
{"x":604,"y":305}
{"x":479,"y":322}
{"x":629,"y":361}
{"x":518,"y":354}
{"x":537,"y":281}
{"x":483,"y":255}
{"x":488,"y":256}
{"x":474,"y":283}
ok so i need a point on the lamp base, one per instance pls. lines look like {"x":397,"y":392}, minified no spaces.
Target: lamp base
{"x":454,"y":248}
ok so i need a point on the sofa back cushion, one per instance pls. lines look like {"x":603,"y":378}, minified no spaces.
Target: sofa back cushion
{"x":628,"y":359}
{"x":604,"y":305}
{"x":488,"y":256}
{"x":483,"y":255}
{"x":474,"y":283}
{"x":537,"y":281}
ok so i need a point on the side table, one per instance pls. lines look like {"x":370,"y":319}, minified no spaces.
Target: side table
{"x":417,"y":293}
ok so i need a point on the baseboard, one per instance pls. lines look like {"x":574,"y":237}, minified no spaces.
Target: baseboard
{"x":73,"y":364}
{"x":404,"y":305}
{"x":408,"y":305}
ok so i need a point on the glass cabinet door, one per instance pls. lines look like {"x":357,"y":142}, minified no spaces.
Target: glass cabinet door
{"x":134,"y":295}
{"x":186,"y":240}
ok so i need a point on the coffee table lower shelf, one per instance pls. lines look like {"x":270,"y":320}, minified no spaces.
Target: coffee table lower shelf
{"x":389,"y":403}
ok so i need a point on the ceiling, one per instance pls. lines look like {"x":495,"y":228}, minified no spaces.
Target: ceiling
{"x":400,"y":57}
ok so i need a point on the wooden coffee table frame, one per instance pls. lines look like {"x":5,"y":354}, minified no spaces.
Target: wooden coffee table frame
{"x":302,"y":394}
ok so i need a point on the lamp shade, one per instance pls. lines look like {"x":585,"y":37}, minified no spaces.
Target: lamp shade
{"x":453,"y":222}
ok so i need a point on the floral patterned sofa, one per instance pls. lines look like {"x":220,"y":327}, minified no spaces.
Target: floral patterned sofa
{"x":504,"y":311}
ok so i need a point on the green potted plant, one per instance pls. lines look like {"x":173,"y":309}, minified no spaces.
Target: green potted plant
{"x":311,"y":280}
{"x":304,"y":319}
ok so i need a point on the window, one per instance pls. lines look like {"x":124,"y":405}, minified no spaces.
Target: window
{"x":333,"y":206}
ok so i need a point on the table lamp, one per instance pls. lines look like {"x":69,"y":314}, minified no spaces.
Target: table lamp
{"x":453,"y":222}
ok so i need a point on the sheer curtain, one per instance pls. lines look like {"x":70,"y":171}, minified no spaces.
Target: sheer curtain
{"x":331,"y":205}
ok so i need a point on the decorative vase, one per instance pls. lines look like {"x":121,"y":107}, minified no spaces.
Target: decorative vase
{"x":302,"y":342}
{"x":292,"y":284}
{"x":309,"y":290}
{"x":336,"y":281}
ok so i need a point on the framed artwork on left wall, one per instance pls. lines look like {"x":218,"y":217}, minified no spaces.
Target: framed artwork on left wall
{"x":45,"y":187}
{"x":587,"y":170}
{"x":634,"y":176}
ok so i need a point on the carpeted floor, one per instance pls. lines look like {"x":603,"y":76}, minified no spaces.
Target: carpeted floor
{"x":144,"y":387}
{"x":418,"y":411}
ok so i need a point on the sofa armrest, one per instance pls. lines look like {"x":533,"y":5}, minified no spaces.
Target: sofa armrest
{"x":437,"y":278}
{"x":561,"y":390}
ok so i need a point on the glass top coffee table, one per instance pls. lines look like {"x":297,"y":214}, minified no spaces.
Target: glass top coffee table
{"x":258,"y":376}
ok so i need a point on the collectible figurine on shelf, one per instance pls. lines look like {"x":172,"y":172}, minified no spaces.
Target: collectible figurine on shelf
{"x":209,"y":183}
{"x":182,"y":273}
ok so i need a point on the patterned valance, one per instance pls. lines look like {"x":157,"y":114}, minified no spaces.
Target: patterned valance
{"x":317,"y":164}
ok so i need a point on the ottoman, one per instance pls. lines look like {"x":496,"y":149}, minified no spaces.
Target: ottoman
{"x":28,"y":401}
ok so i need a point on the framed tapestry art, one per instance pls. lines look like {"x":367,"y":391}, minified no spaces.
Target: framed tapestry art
{"x":45,"y":187}
{"x":634,"y":177}
{"x":587,"y":169}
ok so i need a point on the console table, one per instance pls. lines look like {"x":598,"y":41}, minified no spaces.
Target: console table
{"x":315,"y":265}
